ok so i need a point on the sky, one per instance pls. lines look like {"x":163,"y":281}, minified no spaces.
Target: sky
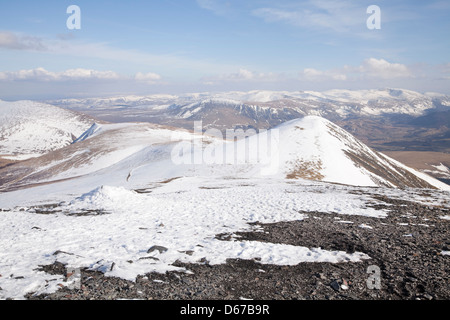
{"x":169,"y":46}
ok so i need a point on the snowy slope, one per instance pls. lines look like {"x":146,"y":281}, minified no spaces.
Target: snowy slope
{"x":30,"y":129}
{"x":104,"y":154}
{"x":111,"y":229}
{"x":139,"y":154}
{"x":341,"y":158}
{"x":316,"y":149}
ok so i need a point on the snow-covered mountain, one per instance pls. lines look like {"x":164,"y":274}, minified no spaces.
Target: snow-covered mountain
{"x":30,"y":129}
{"x":337,"y":103}
{"x":315,"y":148}
{"x":139,"y":154}
{"x":259,"y":105}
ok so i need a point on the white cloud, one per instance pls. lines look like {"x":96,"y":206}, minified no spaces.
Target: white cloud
{"x":33,"y":74}
{"x":41,"y":83}
{"x":149,"y":77}
{"x":80,"y":74}
{"x":445,"y":68}
{"x":43,"y":75}
{"x":317,"y":75}
{"x":369,"y":69}
{"x":219,"y":7}
{"x":14,"y":41}
{"x":206,"y":4}
{"x":61,"y":46}
{"x":380,"y":68}
{"x":317,"y":14}
{"x":243,"y":75}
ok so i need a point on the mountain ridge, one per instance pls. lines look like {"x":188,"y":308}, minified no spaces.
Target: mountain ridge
{"x":30,"y":129}
{"x":136,"y":154}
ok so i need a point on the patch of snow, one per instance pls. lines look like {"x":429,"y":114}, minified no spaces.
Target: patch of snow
{"x":442,"y":168}
{"x":180,"y":215}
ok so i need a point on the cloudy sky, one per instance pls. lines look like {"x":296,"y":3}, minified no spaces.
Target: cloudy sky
{"x":175,"y":46}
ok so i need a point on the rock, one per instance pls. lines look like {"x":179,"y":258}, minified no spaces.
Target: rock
{"x":335,"y":285}
{"x":149,"y":258}
{"x":160,"y":249}
{"x":428,"y":296}
{"x":61,"y":252}
{"x":321,"y":276}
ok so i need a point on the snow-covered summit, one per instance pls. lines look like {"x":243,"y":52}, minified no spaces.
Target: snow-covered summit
{"x":315,"y":148}
{"x":29,"y":129}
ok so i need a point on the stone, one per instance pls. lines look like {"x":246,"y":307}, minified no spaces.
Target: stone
{"x":149,"y":258}
{"x":335,"y":285}
{"x":160,"y":249}
{"x":428,"y":296}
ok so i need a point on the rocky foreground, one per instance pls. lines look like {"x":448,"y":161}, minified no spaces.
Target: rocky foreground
{"x":410,"y":247}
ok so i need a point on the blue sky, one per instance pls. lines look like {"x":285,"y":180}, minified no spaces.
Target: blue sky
{"x":170,"y":46}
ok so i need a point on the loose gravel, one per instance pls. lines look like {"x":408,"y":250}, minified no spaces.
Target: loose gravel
{"x":408,"y":247}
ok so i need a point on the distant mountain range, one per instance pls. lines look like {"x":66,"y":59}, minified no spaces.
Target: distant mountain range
{"x":386,"y":119}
